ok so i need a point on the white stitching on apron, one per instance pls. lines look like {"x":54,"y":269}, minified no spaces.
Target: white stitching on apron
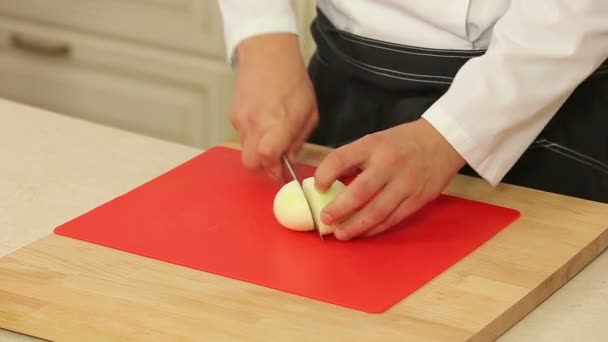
{"x":383,"y":69}
{"x":572,"y":154}
{"x":357,"y":64}
{"x":361,"y":65}
{"x":364,"y":67}
{"x":406,"y":52}
{"x":401,"y":72}
{"x":380,"y":43}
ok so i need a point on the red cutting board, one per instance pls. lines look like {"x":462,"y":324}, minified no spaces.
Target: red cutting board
{"x":214,"y":215}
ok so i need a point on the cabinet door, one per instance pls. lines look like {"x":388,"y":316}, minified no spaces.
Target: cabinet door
{"x":163,"y":96}
{"x":156,"y":109}
{"x":192,"y":26}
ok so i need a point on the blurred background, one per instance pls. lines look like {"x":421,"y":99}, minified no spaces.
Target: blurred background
{"x":153,"y":67}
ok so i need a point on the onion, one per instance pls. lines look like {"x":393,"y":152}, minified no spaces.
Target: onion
{"x":291,"y":208}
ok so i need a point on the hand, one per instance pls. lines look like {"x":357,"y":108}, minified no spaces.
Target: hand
{"x":274,"y":107}
{"x":402,"y":169}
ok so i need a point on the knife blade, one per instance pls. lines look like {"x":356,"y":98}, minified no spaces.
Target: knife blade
{"x":295,"y":177}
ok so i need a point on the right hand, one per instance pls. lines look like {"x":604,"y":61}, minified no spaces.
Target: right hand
{"x":274,"y":107}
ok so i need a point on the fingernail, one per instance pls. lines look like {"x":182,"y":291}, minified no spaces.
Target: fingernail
{"x":318,"y":186}
{"x":341,"y":234}
{"x":326,"y":218}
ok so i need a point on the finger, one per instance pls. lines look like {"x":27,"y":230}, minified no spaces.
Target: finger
{"x":271,"y":146}
{"x":374,"y":213}
{"x":253,"y":129}
{"x":310,"y":125}
{"x":354,"y":196}
{"x":337,"y":162}
{"x":249,"y":146}
{"x":406,"y":208}
{"x":242,"y":135}
{"x":235,"y":120}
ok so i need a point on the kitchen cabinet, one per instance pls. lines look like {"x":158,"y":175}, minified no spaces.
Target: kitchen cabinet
{"x":154,"y":67}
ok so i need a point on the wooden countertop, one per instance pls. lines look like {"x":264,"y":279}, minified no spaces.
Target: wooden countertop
{"x":52,"y":167}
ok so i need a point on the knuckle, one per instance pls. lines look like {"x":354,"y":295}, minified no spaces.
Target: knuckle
{"x":381,"y":227}
{"x":252,"y":119}
{"x":403,"y":211}
{"x":249,"y":164}
{"x":377,"y":214}
{"x":338,"y":158}
{"x":236,"y":123}
{"x":265,"y":151}
{"x":249,"y":161}
{"x":235,"y":117}
{"x":361,"y":193}
{"x":279,"y":110}
{"x":364,"y":222}
{"x":385,"y":225}
{"x":372,"y":139}
{"x":392,"y":158}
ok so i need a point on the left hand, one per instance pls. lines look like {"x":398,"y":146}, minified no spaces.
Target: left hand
{"x":403,"y":168}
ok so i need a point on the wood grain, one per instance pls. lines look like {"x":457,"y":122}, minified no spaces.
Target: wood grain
{"x":63,"y":289}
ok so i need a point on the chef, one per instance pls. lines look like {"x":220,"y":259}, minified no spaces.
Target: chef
{"x":410,"y":93}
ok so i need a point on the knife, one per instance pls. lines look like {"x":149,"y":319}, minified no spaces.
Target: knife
{"x":294,"y":176}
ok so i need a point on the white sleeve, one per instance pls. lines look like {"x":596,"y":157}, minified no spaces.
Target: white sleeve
{"x":499,"y":102}
{"x":246,"y":18}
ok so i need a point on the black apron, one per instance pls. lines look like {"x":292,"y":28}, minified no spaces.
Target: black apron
{"x":365,"y":85}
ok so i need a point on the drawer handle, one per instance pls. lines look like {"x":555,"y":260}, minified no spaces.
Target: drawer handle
{"x":39,"y":46}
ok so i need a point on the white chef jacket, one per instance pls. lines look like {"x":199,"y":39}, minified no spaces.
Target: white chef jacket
{"x":537,"y":54}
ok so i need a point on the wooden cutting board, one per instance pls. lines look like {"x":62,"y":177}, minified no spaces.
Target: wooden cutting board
{"x":64,"y":289}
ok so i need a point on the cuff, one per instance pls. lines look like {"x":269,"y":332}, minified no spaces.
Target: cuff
{"x":479,"y":153}
{"x":235,"y":34}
